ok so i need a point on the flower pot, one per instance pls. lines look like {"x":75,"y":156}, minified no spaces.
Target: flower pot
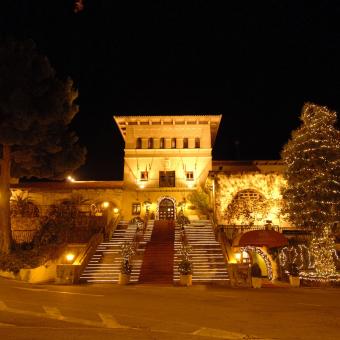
{"x":185,"y":280}
{"x":256,"y":282}
{"x":124,"y":279}
{"x":294,"y":281}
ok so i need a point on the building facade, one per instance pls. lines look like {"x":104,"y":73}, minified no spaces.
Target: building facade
{"x":167,"y":158}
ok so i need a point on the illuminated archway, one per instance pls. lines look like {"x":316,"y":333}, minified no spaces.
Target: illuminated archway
{"x":248,"y":207}
{"x":265,"y":258}
{"x":162,"y":198}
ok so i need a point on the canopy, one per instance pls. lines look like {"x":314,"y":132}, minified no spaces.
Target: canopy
{"x":259,"y":238}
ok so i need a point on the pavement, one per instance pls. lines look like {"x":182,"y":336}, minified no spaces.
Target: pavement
{"x":166,"y":312}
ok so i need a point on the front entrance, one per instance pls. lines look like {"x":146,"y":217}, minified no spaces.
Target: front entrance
{"x":166,"y":209}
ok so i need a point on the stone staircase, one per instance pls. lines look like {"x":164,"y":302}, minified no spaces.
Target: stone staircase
{"x":158,"y":257}
{"x":207,"y":257}
{"x":104,"y":265}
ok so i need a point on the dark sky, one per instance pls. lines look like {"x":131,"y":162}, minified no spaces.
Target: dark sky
{"x":255,"y":62}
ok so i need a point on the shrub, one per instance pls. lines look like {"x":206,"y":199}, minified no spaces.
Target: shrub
{"x":126,"y":267}
{"x":185,"y":267}
{"x":294,"y":270}
{"x":29,"y":258}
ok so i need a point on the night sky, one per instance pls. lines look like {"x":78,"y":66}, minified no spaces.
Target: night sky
{"x":254,"y":62}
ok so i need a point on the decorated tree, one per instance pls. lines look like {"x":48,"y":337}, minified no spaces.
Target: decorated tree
{"x":35,"y":110}
{"x":312,"y":195}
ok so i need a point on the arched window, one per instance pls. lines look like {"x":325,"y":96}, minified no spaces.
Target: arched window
{"x":248,"y":194}
{"x":139,"y":143}
{"x":150,"y":143}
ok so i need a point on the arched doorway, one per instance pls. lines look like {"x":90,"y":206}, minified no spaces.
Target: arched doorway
{"x":166,"y":209}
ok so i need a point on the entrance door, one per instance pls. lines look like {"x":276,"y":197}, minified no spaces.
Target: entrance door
{"x":166,"y":209}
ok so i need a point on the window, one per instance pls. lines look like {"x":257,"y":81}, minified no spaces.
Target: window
{"x":185,"y":143}
{"x":173,"y":143}
{"x":167,"y":179}
{"x":162,"y":143}
{"x":139,"y":143}
{"x":135,"y":208}
{"x":248,"y":194}
{"x":144,"y":176}
{"x":189,"y":175}
{"x":150,"y":143}
{"x":197,"y":143}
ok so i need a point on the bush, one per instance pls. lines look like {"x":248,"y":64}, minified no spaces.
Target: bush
{"x":126,"y":267}
{"x":182,"y":219}
{"x":185,"y":267}
{"x":256,"y":270}
{"x":29,"y":258}
{"x":294,"y":270}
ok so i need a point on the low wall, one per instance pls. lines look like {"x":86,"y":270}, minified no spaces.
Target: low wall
{"x":42,"y":274}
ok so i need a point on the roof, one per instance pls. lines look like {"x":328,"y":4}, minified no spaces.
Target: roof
{"x":263,"y":166}
{"x":41,"y":186}
{"x":212,"y":120}
{"x":259,"y":238}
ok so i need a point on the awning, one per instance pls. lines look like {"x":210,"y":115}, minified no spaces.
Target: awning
{"x":259,"y":238}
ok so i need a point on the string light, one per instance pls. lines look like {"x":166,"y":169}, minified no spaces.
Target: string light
{"x":264,"y":257}
{"x":312,"y":194}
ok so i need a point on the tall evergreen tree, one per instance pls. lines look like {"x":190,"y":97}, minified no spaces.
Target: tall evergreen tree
{"x":312,"y":196}
{"x":36,"y":109}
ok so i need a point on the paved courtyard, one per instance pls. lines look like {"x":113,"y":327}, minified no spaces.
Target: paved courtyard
{"x":166,"y":312}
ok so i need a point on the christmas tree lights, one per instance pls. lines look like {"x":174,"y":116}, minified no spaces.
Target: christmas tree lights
{"x":312,"y":194}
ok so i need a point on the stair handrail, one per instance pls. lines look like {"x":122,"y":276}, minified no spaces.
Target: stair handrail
{"x":220,"y":237}
{"x":110,"y":226}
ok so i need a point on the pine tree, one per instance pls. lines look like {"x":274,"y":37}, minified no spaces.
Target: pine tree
{"x":312,"y":195}
{"x":36,"y":109}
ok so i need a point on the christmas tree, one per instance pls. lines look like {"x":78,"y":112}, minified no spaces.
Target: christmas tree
{"x":312,"y":195}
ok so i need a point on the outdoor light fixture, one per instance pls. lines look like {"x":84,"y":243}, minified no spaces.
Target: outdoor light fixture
{"x":115,"y":210}
{"x":105,"y":204}
{"x":71,"y":179}
{"x":238,"y":257}
{"x":70,"y":257}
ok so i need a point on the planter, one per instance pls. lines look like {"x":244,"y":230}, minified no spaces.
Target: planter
{"x":185,"y":280}
{"x":124,"y":279}
{"x":256,"y":282}
{"x":294,"y":281}
{"x":24,"y":228}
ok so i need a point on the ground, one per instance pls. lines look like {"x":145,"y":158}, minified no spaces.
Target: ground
{"x":166,"y":312}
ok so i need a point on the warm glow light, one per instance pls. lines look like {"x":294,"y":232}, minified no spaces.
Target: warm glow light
{"x":71,"y":179}
{"x":115,"y":210}
{"x":238,"y":257}
{"x":141,"y":185}
{"x":105,"y":204}
{"x":190,"y":184}
{"x":70,"y":257}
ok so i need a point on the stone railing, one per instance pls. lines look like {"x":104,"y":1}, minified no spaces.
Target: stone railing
{"x":233,"y":230}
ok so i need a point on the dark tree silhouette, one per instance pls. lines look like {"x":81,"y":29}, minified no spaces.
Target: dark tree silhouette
{"x":35,"y":110}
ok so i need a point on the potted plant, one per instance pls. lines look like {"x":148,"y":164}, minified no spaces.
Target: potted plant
{"x":256,"y":276}
{"x":125,"y":272}
{"x":185,"y":267}
{"x":294,"y":278}
{"x":127,"y":251}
